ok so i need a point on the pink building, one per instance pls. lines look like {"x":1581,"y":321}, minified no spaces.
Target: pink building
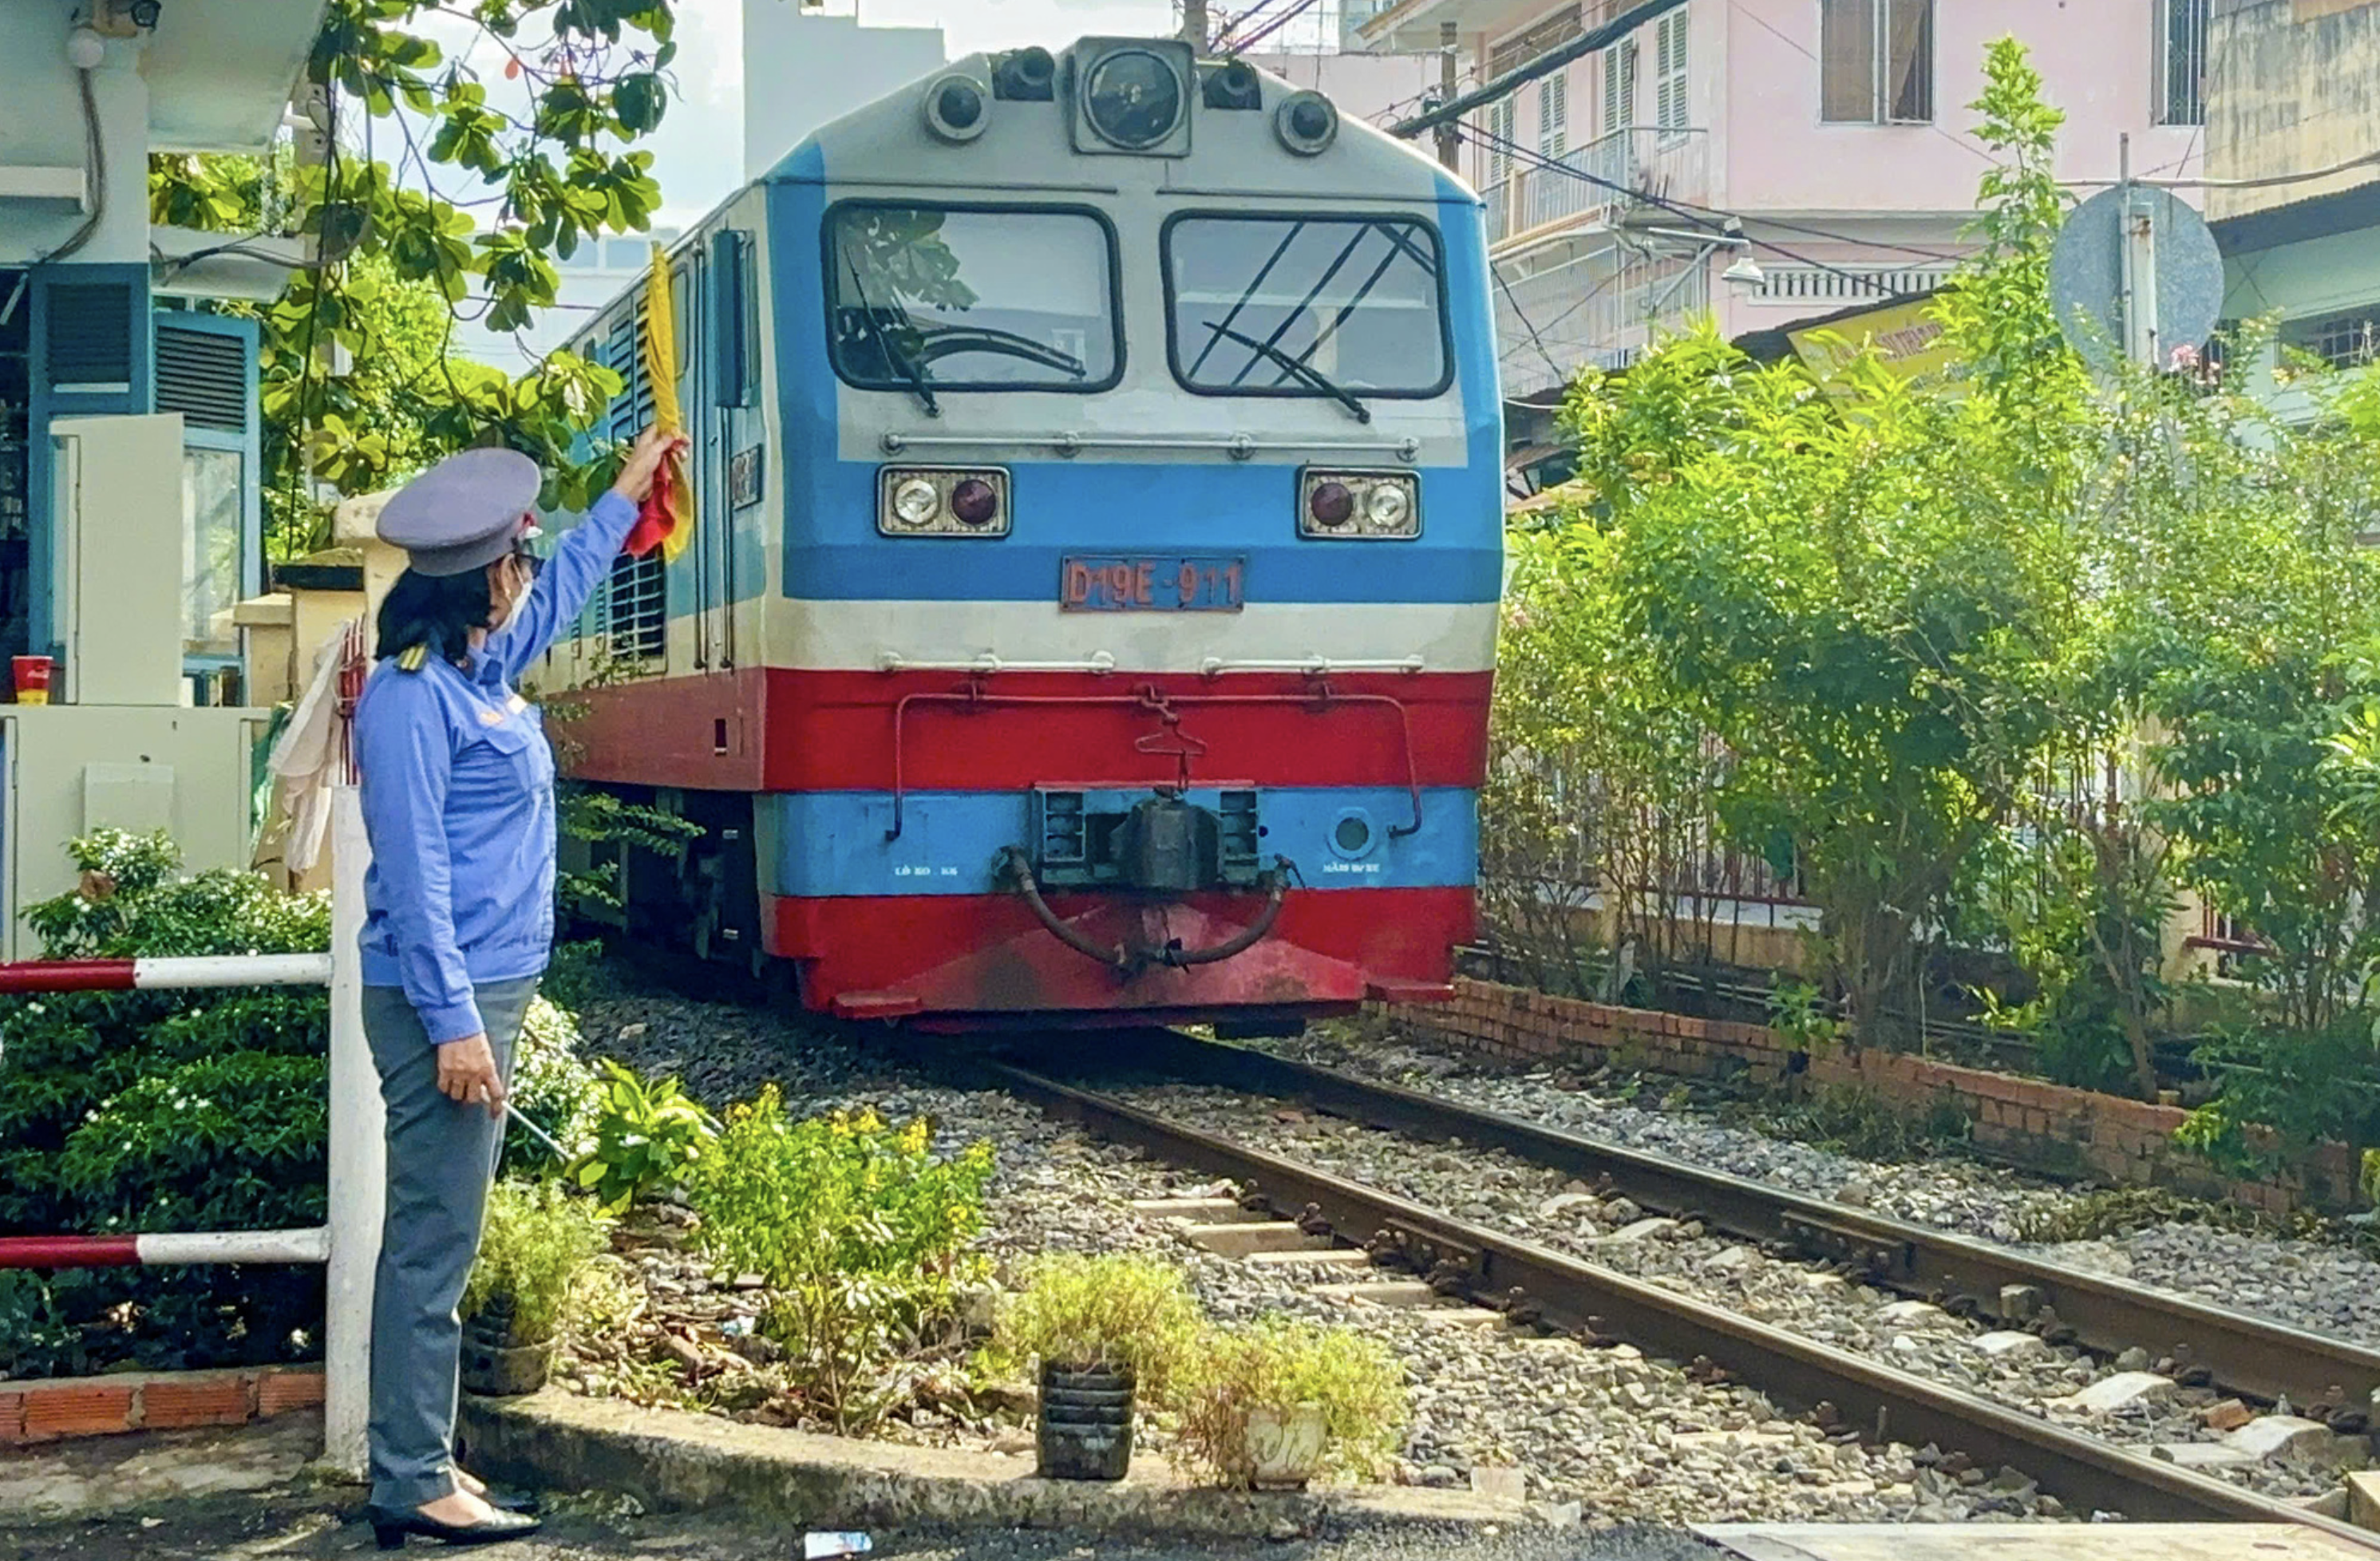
{"x":1836,"y":132}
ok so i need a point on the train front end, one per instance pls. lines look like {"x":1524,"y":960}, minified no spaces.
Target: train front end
{"x":1141,"y":552}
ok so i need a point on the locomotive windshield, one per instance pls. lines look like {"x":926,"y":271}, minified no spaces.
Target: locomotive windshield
{"x":1336,"y":306}
{"x":929,"y":298}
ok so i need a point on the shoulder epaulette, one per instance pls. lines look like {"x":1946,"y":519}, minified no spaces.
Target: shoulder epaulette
{"x":413,"y":658}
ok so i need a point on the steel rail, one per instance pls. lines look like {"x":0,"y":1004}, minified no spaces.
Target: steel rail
{"x":2251,"y":1356}
{"x":2085,"y":1473}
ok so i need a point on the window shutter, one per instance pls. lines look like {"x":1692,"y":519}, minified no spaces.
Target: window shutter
{"x":205,"y":375}
{"x":1553,"y":115}
{"x":88,"y":343}
{"x":1670,"y":104}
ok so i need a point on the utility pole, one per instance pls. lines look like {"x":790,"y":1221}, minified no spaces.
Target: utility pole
{"x":1450,"y":135}
{"x":2138,"y":247}
{"x":1194,"y":24}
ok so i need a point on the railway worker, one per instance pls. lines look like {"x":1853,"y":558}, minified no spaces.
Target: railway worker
{"x":458,"y":801}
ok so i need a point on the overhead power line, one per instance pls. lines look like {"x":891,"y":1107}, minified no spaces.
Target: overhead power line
{"x":1553,"y":59}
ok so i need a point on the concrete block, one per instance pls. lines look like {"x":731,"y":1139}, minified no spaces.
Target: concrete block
{"x":2112,"y":1393}
{"x":672,"y":1461}
{"x":2203,"y":1457}
{"x":2286,"y":1439}
{"x":1242,"y":1239}
{"x":2363,"y":1499}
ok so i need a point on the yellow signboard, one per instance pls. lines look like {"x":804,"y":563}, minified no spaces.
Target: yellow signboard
{"x":1905,"y":338}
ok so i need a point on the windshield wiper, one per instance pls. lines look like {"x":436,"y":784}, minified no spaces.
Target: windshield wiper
{"x":941,"y":340}
{"x":909,"y":369}
{"x":1297,"y":365}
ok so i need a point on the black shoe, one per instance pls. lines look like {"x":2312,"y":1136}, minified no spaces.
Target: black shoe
{"x":392,"y":1528}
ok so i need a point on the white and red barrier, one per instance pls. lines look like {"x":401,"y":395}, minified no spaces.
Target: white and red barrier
{"x":348,"y":1246}
{"x":164,"y":976}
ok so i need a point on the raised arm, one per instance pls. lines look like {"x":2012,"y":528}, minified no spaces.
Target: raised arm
{"x":581,"y":559}
{"x":407,"y":756}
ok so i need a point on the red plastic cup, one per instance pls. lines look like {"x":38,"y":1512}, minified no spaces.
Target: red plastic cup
{"x":32,"y":679}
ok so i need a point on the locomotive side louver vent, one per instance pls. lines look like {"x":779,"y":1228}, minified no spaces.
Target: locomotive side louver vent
{"x":88,"y":336}
{"x":202,"y":375}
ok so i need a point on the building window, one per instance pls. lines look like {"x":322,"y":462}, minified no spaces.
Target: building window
{"x":2343,"y":341}
{"x":1618,"y":87}
{"x":1877,"y":62}
{"x":1503,"y":125}
{"x":213,"y":510}
{"x":1553,"y":117}
{"x":2182,"y":62}
{"x":1669,"y":79}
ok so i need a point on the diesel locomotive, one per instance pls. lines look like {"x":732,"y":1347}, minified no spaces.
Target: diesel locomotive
{"x":1089,"y":617}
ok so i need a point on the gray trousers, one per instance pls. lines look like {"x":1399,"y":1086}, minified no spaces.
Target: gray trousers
{"x":441,"y":1155}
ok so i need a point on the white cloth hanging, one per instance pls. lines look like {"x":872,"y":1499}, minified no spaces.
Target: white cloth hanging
{"x":312,"y":755}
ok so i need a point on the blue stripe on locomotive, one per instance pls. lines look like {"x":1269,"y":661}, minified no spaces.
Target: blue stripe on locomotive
{"x":833,"y":843}
{"x":1244,"y":509}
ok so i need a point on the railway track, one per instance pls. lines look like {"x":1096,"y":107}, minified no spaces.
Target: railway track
{"x":1565,"y":1293}
{"x":2251,"y":1357}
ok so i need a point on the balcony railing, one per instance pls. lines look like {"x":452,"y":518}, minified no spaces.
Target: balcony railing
{"x":1597,"y":183}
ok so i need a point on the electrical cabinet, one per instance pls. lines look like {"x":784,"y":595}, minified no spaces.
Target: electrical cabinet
{"x":73,"y":768}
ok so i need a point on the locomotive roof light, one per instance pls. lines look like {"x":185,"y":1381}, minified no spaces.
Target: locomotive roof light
{"x":1132,"y":95}
{"x":957,"y":108}
{"x":1308,"y":123}
{"x":941,"y":502}
{"x":1025,"y":76}
{"x":1359,"y":506}
{"x":1232,"y":86}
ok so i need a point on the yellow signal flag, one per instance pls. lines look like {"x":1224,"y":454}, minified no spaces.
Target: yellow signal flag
{"x":672,"y":502}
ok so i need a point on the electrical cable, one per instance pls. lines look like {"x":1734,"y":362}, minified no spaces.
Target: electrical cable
{"x":95,"y":165}
{"x":1522,"y":315}
{"x":1699,"y":216}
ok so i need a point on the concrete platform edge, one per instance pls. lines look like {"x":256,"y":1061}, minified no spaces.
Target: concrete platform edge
{"x":672,"y":1461}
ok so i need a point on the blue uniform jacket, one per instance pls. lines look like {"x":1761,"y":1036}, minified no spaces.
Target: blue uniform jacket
{"x":458,"y":801}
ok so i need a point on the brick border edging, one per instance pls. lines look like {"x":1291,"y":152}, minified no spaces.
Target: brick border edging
{"x":2035,"y":1125}
{"x":54,"y":1408}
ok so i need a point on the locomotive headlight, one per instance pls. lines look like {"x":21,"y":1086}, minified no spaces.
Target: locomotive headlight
{"x":1132,"y":96}
{"x":916,"y":502}
{"x":941,"y":502}
{"x":1133,"y":99}
{"x":1358,"y":506}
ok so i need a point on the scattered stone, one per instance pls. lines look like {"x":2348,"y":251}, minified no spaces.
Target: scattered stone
{"x":1855,"y":1194}
{"x":1650,"y":1229}
{"x":2132,"y":1359}
{"x":1912,"y":1314}
{"x":2008,"y":1344}
{"x":2112,"y":1393}
{"x":2229,"y":1414}
{"x":2019,"y":1303}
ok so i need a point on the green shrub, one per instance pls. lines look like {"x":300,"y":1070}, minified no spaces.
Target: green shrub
{"x":1279,"y":1365}
{"x":1121,"y":1312}
{"x":858,"y":1230}
{"x":553,"y":1086}
{"x":226,"y":1143}
{"x":648,"y":1136}
{"x":536,"y":1242}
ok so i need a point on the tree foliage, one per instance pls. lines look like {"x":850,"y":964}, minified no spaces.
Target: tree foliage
{"x":2014,"y":668}
{"x":444,"y":198}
